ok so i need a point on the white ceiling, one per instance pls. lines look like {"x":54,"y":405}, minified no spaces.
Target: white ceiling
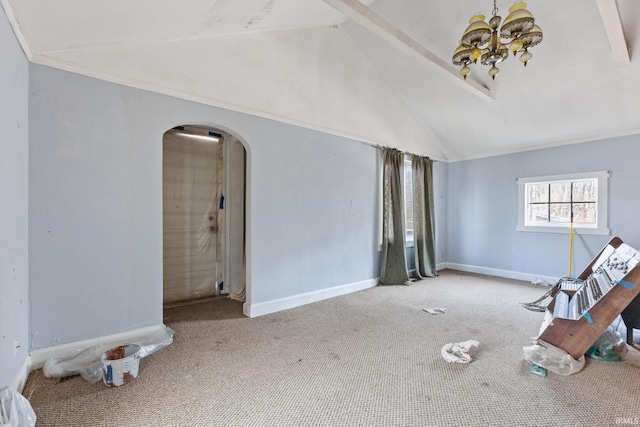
{"x":375,"y":71}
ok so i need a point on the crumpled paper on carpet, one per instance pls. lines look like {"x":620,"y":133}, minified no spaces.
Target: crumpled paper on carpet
{"x":459,"y":352}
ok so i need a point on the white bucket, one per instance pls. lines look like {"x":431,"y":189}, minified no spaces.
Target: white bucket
{"x":120,"y":364}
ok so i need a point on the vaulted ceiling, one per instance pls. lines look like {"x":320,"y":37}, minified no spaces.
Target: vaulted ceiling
{"x":374,"y":71}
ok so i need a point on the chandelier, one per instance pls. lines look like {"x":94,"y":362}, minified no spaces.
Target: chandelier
{"x":480,"y":40}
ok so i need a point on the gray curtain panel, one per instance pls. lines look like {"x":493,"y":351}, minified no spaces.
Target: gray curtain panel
{"x":393,"y":270}
{"x":423,"y":217}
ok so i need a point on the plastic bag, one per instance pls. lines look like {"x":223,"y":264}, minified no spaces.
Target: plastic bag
{"x":459,"y":352}
{"x":86,"y":362}
{"x":155,"y":342}
{"x":553,"y":358}
{"x":603,"y":348}
{"x":15,"y":409}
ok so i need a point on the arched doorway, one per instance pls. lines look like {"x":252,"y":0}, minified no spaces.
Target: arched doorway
{"x":204,"y":186}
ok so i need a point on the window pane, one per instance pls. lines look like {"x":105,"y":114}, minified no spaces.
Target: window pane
{"x":560,"y":192}
{"x":538,"y":193}
{"x":408,"y":201}
{"x":539,"y":213}
{"x":584,"y":213}
{"x":551,"y":203}
{"x":585,"y":191}
{"x":560,"y":213}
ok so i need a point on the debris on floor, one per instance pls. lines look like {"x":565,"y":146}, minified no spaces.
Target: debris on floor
{"x":15,"y":409}
{"x":459,"y":352}
{"x":87,"y":361}
{"x":628,"y":353}
{"x":603,"y":348}
{"x":538,"y":370}
{"x":540,"y":282}
{"x":553,"y":358}
{"x":435,"y":310}
{"x":120,"y":365}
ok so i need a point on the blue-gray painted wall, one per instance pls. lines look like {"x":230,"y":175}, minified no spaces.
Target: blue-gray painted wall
{"x":14,"y":273}
{"x":95,"y":214}
{"x":482,"y":208}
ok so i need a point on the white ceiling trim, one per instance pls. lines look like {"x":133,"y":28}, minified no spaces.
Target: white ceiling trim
{"x":54,"y":52}
{"x":613,"y":26}
{"x":16,"y":29}
{"x":366,"y":17}
{"x":555,"y":144}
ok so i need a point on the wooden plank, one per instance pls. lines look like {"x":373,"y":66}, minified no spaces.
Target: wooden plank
{"x":576,"y":336}
{"x":613,"y":26}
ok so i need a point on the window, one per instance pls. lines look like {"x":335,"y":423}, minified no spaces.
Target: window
{"x":408,"y":200}
{"x":552,"y":203}
{"x":407,"y":188}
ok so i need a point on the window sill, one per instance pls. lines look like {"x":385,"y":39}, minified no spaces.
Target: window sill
{"x":564,"y":230}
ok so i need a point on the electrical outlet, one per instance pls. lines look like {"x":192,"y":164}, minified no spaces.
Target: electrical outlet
{"x":16,"y":346}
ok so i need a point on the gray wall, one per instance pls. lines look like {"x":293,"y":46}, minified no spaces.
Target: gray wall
{"x":95,"y":195}
{"x":14,"y":280}
{"x":440,"y":185}
{"x":313,"y":210}
{"x":482,"y":208}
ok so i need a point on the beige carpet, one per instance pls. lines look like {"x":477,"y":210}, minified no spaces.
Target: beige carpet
{"x":370,"y":358}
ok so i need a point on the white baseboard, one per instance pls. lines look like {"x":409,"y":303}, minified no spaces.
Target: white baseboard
{"x":262,"y":308}
{"x":21,"y":379}
{"x":528,"y":277}
{"x":40,"y":356}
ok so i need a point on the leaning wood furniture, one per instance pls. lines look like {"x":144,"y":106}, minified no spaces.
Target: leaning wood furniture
{"x":576,"y":335}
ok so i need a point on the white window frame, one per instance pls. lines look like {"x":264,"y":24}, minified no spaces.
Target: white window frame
{"x":601,"y":228}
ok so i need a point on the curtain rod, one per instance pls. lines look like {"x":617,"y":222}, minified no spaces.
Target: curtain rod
{"x":403,"y":152}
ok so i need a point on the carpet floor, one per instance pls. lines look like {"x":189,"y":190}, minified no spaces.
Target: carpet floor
{"x":371,"y":358}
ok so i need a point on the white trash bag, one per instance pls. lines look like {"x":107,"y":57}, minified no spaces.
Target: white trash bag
{"x":15,"y":409}
{"x":553,"y":358}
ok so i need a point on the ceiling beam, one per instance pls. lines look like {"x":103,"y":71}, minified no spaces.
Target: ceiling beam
{"x":366,"y":17}
{"x":613,"y":26}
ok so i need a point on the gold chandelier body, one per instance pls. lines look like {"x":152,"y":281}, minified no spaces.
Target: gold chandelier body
{"x":482,"y":40}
